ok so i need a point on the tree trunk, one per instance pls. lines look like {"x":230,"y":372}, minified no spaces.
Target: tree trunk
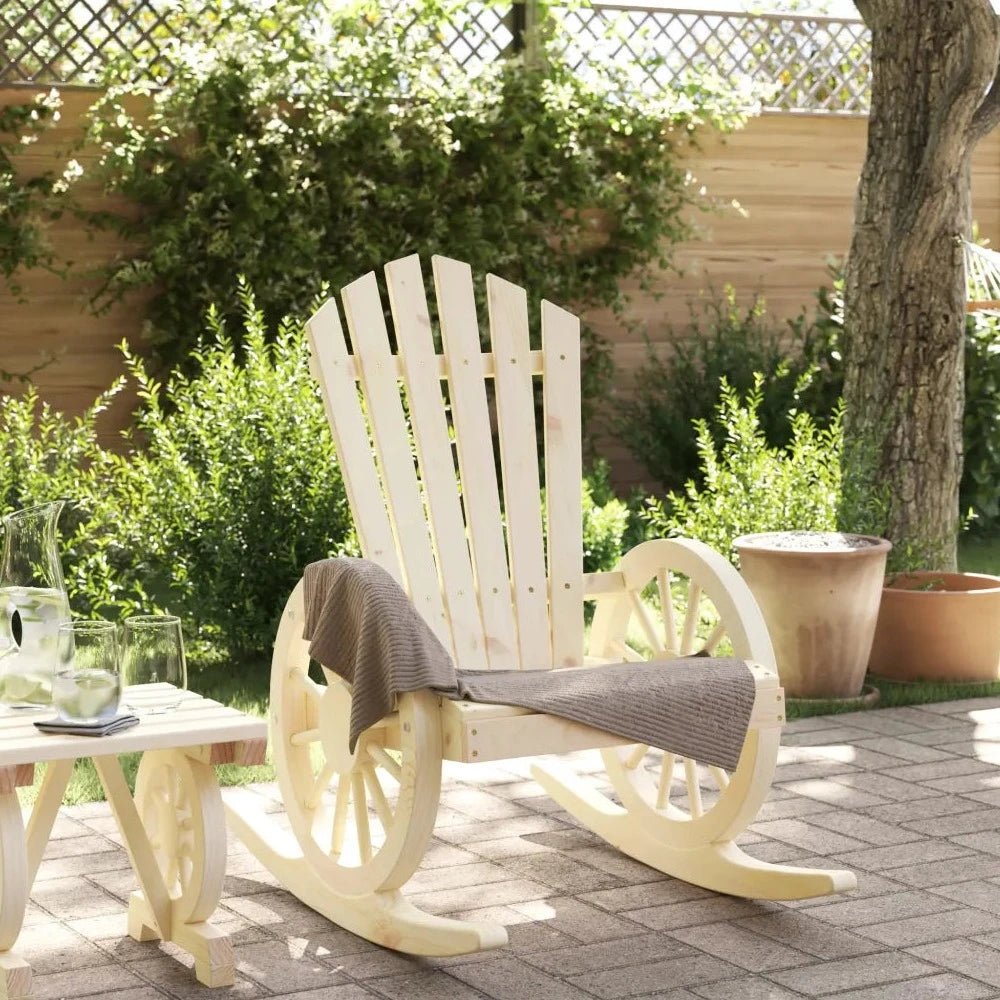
{"x":904,"y":319}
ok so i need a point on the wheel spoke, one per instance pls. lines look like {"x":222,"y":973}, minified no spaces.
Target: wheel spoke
{"x":304,"y":738}
{"x":666,"y":779}
{"x":627,"y":653}
{"x":646,"y":623}
{"x":340,"y":816}
{"x":721,"y":778}
{"x":690,"y":618}
{"x":314,"y":798}
{"x":692,"y":622}
{"x":718,"y":634}
{"x":361,"y":816}
{"x":384,"y":760}
{"x":378,"y":798}
{"x":663,"y":584}
{"x":693,"y":789}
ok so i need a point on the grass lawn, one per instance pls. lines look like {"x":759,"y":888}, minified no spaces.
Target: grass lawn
{"x":979,"y":554}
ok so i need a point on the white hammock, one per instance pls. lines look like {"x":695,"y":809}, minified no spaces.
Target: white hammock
{"x":982,"y":277}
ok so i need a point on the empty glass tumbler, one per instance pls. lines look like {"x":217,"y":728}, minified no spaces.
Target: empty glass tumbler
{"x":153,"y":657}
{"x":86,"y":685}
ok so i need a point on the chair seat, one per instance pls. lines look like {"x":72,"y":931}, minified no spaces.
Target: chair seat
{"x":474,"y":731}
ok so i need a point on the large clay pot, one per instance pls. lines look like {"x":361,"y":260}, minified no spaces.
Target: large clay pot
{"x":819,"y":592}
{"x":938,"y":626}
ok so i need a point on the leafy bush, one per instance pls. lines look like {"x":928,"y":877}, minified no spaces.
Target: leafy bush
{"x":243,"y":485}
{"x":47,"y":457}
{"x":26,"y":203}
{"x":316,"y":140}
{"x":229,"y":487}
{"x":606,"y":520}
{"x":981,"y":422}
{"x":750,"y":485}
{"x":677,"y":389}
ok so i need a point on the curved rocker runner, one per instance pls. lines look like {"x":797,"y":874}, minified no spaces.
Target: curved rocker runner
{"x":500,"y":591}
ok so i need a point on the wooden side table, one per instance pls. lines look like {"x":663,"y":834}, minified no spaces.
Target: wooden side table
{"x":174,"y":827}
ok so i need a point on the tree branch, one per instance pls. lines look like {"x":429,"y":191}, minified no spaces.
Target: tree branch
{"x":987,"y":115}
{"x":968,"y":64}
{"x":865,"y":10}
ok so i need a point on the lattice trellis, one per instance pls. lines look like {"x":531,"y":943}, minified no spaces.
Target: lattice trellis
{"x":71,"y":41}
{"x":481,"y":34}
{"x":801,"y":62}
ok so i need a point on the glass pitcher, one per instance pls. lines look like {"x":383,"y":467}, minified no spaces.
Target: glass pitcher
{"x":33,"y":602}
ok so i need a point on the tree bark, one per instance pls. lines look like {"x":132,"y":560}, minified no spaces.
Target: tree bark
{"x":934,"y":66}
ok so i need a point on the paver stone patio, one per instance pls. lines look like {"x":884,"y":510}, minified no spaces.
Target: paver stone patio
{"x":908,"y":797}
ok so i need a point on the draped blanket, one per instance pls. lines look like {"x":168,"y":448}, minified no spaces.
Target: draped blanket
{"x":362,"y":626}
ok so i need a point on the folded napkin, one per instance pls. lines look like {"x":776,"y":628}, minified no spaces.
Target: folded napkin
{"x":62,"y":727}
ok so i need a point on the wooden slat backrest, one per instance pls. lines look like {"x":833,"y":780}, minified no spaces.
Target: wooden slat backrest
{"x":508,"y":310}
{"x":563,"y":474}
{"x":390,"y":435}
{"x":334,"y":368}
{"x":415,"y":345}
{"x":435,"y":519}
{"x":480,"y":491}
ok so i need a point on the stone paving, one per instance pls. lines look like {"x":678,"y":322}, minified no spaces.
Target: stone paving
{"x":909,"y":798}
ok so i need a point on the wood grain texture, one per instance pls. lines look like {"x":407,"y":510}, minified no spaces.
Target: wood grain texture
{"x":420,"y":363}
{"x":197,"y":721}
{"x":793,"y":177}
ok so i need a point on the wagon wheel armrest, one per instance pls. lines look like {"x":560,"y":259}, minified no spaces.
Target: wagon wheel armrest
{"x":616,"y":591}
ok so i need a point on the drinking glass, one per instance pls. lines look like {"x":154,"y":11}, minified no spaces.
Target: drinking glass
{"x":153,"y":654}
{"x":86,"y":685}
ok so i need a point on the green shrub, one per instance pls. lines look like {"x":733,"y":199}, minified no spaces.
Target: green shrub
{"x":981,"y":422}
{"x":606,"y":520}
{"x":318,"y":140}
{"x":47,"y":457}
{"x":27,"y":204}
{"x":676,"y":389}
{"x":243,"y":485}
{"x":229,"y":486}
{"x":750,"y":485}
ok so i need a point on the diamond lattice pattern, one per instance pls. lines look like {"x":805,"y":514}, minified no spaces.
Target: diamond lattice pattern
{"x":793,"y":62}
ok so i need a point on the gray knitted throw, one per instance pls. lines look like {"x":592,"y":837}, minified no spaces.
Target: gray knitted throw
{"x":361,"y":625}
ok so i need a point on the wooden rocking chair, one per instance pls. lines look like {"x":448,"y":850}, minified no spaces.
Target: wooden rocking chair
{"x":497,"y":599}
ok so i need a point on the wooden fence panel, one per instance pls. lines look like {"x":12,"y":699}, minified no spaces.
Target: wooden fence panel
{"x":54,"y":320}
{"x":792,"y":175}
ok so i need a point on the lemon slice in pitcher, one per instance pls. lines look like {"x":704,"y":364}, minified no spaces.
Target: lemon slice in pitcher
{"x":25,"y":688}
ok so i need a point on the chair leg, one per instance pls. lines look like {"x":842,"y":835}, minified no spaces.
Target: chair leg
{"x":721,"y":867}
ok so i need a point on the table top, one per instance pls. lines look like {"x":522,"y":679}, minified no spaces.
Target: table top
{"x":197,"y":721}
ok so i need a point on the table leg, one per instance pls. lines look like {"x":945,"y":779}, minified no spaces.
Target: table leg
{"x":45,"y":810}
{"x":15,"y":973}
{"x":174,"y":831}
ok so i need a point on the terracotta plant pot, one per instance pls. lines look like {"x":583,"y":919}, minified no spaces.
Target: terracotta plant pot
{"x":938,"y":626}
{"x":819,"y":592}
